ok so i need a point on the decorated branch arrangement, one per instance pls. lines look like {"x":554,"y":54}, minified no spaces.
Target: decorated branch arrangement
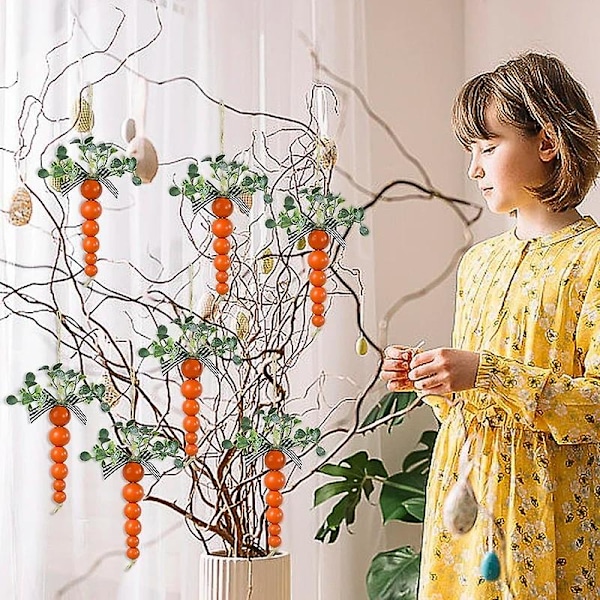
{"x":195,"y":367}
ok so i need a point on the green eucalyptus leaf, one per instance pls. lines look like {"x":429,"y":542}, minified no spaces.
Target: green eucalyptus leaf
{"x":174,"y":191}
{"x":12,"y":400}
{"x":85,"y":456}
{"x":43,"y":173}
{"x":227,"y":444}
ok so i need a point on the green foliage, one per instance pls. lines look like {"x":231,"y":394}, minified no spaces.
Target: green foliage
{"x":394,"y":575}
{"x":313,"y":206}
{"x":62,"y":384}
{"x":356,"y":474}
{"x":223,"y":175}
{"x":192,"y":336}
{"x":97,"y":156}
{"x":276,"y":428}
{"x":134,"y":440}
{"x":389,"y":404}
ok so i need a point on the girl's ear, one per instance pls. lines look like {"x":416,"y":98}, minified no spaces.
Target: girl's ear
{"x":548,"y":148}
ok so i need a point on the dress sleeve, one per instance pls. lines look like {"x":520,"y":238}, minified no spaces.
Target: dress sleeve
{"x":568,"y":407}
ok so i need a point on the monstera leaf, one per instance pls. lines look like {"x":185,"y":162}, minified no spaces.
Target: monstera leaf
{"x":394,"y":575}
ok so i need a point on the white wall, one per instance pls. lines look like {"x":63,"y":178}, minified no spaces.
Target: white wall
{"x":415,"y":65}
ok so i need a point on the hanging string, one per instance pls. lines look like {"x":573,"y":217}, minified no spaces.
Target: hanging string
{"x":221,"y":128}
{"x":59,"y":319}
{"x":191,"y":287}
{"x":321,"y":99}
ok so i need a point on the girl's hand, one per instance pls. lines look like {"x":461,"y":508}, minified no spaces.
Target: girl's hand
{"x":395,"y":368}
{"x":444,"y":370}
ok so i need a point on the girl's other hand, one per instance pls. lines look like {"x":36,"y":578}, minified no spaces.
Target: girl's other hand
{"x":444,"y":370}
{"x":395,"y":368}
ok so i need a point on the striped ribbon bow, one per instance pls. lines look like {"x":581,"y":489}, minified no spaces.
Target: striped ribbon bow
{"x":330,"y":226}
{"x":182,"y":354}
{"x":102,"y":176}
{"x":285,"y":447}
{"x":49,"y":402}
{"x":211,"y":193}
{"x":124,"y":457}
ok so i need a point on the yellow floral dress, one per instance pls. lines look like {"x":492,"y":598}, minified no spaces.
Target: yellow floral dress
{"x":532,"y":308}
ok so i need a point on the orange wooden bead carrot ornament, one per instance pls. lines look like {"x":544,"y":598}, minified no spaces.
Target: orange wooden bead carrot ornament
{"x":222,"y":228}
{"x":133,"y":492}
{"x":191,"y":390}
{"x":59,"y":437}
{"x":318,"y":261}
{"x":90,"y":210}
{"x":274,"y":481}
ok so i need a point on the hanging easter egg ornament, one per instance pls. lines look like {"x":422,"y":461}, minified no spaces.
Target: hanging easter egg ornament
{"x":82,"y":113}
{"x":326,"y":153}
{"x":206,"y":306}
{"x":143,"y":151}
{"x":242,"y":325}
{"x":361,"y":346}
{"x":140,"y":147}
{"x":128,"y":130}
{"x":490,"y":567}
{"x":268,"y":262}
{"x":460,"y":508}
{"x":19,"y":212}
{"x":246,"y":198}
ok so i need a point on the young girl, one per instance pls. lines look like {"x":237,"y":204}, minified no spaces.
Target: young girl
{"x":519,"y":391}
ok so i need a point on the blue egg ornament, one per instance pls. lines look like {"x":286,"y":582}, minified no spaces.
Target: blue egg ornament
{"x":490,"y":566}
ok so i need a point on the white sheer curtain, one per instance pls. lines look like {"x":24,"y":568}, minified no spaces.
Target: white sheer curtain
{"x":252,"y":55}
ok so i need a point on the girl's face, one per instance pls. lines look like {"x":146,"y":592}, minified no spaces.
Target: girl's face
{"x":507,"y":164}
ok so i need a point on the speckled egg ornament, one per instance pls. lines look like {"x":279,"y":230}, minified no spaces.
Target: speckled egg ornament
{"x":460,"y":508}
{"x":20,"y":209}
{"x":326,"y":153}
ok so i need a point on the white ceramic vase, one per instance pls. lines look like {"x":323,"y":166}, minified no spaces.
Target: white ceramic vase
{"x":224,"y":578}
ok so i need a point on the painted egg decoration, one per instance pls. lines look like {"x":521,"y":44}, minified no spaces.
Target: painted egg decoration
{"x":242,"y":328}
{"x":143,"y":151}
{"x":206,"y":306}
{"x":246,"y":198}
{"x":460,"y":508}
{"x":490,"y":566}
{"x":326,"y":153}
{"x":83,"y":116}
{"x":20,"y":209}
{"x":128,"y":130}
{"x":361,"y":346}
{"x":268,"y":262}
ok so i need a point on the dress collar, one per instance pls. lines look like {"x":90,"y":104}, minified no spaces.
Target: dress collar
{"x":560,"y":235}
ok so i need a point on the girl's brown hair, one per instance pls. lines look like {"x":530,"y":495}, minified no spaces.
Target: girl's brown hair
{"x":535,"y":92}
